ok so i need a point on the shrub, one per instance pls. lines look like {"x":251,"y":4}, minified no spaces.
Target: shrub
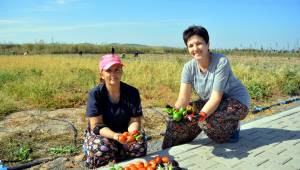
{"x":257,"y":90}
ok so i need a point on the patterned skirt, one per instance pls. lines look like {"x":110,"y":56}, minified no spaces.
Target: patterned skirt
{"x":219,"y":126}
{"x":100,"y":151}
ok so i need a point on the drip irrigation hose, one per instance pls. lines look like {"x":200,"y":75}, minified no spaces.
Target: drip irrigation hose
{"x":257,"y":109}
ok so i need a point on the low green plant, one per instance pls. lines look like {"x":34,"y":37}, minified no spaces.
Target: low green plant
{"x":62,"y":150}
{"x":290,"y":82}
{"x":24,"y":153}
{"x":36,"y":72}
{"x":258,"y":91}
{"x":14,"y":75}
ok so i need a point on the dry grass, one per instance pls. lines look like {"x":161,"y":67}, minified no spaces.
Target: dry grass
{"x":60,"y":81}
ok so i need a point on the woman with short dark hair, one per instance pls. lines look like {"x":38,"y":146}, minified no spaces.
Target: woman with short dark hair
{"x":224,"y":100}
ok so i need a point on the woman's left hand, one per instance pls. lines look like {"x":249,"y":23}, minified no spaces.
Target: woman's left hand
{"x":117,"y":137}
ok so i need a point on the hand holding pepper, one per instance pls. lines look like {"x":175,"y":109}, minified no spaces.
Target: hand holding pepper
{"x":127,"y":137}
{"x":136,"y":134}
{"x":201,"y":116}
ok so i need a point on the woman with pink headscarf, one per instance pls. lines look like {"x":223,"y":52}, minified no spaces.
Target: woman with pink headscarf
{"x":113,"y":108}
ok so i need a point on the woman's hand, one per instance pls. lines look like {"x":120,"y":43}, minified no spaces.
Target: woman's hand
{"x":184,"y":95}
{"x":120,"y":138}
{"x":116,"y":136}
{"x":134,"y":124}
{"x":212,"y":104}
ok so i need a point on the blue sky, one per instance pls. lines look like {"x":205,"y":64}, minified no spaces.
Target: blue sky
{"x":231,"y":23}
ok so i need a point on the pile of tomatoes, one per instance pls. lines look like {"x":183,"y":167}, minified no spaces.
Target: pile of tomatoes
{"x":127,"y":137}
{"x":158,"y":163}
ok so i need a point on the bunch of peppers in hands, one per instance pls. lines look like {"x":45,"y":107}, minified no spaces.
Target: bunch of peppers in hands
{"x":188,"y":113}
{"x":127,"y":137}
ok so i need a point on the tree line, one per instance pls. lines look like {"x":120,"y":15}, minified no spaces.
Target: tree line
{"x":86,"y":48}
{"x":19,"y":49}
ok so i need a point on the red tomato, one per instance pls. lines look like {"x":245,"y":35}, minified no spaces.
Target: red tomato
{"x":133,"y":168}
{"x":125,"y":134}
{"x":152,"y":163}
{"x":139,"y":164}
{"x":130,"y":164}
{"x":122,"y":139}
{"x":130,"y":138}
{"x":165,"y":159}
{"x":157,"y":159}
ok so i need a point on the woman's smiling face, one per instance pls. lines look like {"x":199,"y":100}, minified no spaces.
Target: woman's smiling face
{"x":197,"y":47}
{"x":113,"y":74}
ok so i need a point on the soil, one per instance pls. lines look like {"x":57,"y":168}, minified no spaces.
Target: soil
{"x":46,"y":129}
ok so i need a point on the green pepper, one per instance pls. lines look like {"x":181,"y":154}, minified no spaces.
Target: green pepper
{"x":137,"y":137}
{"x":169,"y":111}
{"x":119,"y":168}
{"x":177,"y":116}
{"x":170,"y":167}
{"x":181,"y":109}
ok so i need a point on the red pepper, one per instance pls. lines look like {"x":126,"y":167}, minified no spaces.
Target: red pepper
{"x":202,"y":115}
{"x":135,"y":132}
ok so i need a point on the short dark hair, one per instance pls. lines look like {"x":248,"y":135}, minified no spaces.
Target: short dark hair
{"x":195,"y":30}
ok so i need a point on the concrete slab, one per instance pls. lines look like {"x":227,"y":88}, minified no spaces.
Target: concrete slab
{"x":271,"y":142}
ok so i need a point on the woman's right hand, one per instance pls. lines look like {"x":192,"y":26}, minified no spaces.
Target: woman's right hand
{"x":184,"y":95}
{"x":116,"y":136}
{"x":120,"y":138}
{"x":179,"y":104}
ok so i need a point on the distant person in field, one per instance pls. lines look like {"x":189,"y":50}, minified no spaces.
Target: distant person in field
{"x":80,"y":53}
{"x":136,"y":54}
{"x":224,"y":100}
{"x":112,"y":50}
{"x":114,"y":112}
{"x":123,"y":55}
{"x":26,"y":53}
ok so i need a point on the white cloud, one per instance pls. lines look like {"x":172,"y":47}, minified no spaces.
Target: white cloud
{"x":50,"y":28}
{"x":60,"y":1}
{"x":55,"y":5}
{"x":10,"y":21}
